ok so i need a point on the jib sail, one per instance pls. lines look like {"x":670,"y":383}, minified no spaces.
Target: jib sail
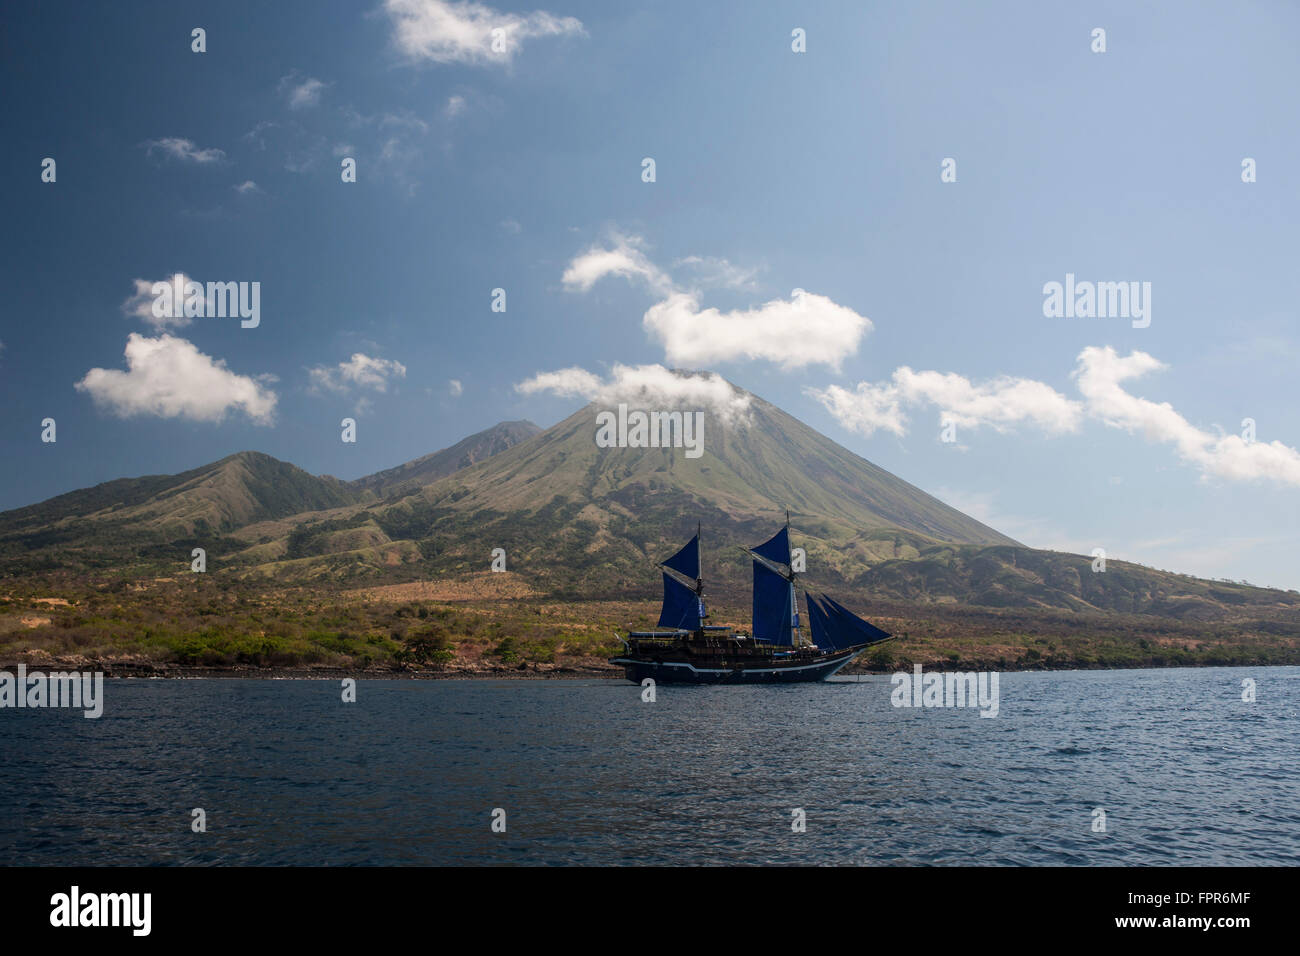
{"x":835,"y":626}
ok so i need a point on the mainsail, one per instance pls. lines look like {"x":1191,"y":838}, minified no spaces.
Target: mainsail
{"x":775,"y":614}
{"x":773,"y":596}
{"x":835,"y":626}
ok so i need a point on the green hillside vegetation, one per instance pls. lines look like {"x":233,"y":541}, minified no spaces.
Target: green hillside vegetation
{"x":214,"y":622}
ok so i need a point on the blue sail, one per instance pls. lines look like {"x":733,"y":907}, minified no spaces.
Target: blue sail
{"x":835,"y":626}
{"x":681,"y":608}
{"x":819,"y":623}
{"x":777,"y":548}
{"x":686,"y":562}
{"x":772,"y":608}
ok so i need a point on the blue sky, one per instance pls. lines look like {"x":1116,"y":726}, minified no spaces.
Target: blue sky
{"x":774,"y":170}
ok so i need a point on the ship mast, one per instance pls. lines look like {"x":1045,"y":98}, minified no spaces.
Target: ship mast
{"x":779,"y":569}
{"x":677,"y":576}
{"x":794,"y":593}
{"x":699,"y":582}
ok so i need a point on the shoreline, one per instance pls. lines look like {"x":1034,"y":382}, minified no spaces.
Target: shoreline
{"x":133,"y":670}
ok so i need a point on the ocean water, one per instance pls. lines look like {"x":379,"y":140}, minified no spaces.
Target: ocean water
{"x":1185,"y":771}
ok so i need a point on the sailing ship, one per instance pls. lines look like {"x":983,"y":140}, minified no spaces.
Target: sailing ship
{"x":776,"y":650}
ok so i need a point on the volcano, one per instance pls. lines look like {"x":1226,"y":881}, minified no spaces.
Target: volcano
{"x":582,"y":518}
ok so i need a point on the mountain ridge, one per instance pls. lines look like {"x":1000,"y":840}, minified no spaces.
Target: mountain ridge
{"x":578,"y":520}
{"x":429,"y":468}
{"x":221,"y":495}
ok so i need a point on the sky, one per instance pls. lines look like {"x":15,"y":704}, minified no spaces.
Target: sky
{"x":920,"y":173}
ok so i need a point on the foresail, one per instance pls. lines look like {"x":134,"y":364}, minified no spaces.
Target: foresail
{"x":681,"y":606}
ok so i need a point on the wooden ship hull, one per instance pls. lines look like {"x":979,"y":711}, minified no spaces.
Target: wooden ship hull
{"x":776,"y":651}
{"x":682,"y":664}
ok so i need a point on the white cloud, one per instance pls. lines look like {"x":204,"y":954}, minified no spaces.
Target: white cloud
{"x":395,"y":150}
{"x":1000,"y":403}
{"x":455,"y":387}
{"x":388,"y":145}
{"x":184,"y":150}
{"x":623,"y":255}
{"x":1101,"y":370}
{"x":865,"y":409}
{"x":806,"y":330}
{"x":247,"y":186}
{"x":624,"y":259}
{"x":1099,"y":374}
{"x":570,"y":382}
{"x":455,"y":106}
{"x":404,"y":119}
{"x":140,"y":304}
{"x":360,"y":371}
{"x":451,"y":32}
{"x":712,"y":272}
{"x":301,"y":94}
{"x":644,"y":386}
{"x":256,"y":134}
{"x":170,"y":378}
{"x":400,"y":119}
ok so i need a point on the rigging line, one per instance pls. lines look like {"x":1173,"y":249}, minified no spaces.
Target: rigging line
{"x":769,"y":564}
{"x":695,"y":584}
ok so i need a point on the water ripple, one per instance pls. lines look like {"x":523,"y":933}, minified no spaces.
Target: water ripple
{"x":1185,"y":772}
